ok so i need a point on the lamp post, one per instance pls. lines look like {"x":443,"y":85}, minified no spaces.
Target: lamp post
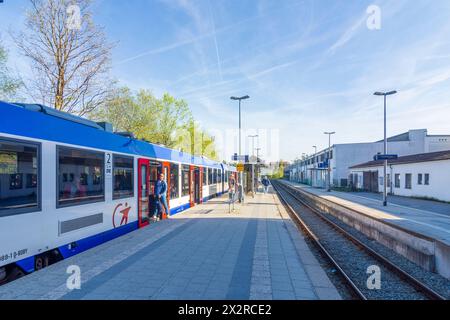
{"x":239,"y":99}
{"x":253,"y":167}
{"x":384,"y":94}
{"x":329,"y":159}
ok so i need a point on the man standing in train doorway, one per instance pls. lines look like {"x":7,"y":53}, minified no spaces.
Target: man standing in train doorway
{"x":160,"y":198}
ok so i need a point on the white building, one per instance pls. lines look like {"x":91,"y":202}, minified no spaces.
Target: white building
{"x":312,"y":169}
{"x":425,"y":175}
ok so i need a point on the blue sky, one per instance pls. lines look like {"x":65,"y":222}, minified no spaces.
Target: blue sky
{"x":308,"y":66}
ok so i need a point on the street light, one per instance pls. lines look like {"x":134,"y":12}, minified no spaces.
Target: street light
{"x":384,"y":94}
{"x":329,"y":159}
{"x":239,"y":99}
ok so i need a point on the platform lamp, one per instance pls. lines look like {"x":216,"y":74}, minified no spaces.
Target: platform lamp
{"x":385,"y":94}
{"x":239,"y":99}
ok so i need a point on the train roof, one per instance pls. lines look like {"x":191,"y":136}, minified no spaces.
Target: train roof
{"x":40,"y":122}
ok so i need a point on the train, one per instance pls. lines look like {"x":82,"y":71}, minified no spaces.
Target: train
{"x":68,"y":184}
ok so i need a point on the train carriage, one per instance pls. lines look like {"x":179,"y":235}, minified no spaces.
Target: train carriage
{"x":68,"y":184}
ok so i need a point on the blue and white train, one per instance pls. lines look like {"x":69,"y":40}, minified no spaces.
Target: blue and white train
{"x":68,"y":184}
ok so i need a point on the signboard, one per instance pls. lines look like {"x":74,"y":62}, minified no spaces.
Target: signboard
{"x":235,"y":157}
{"x":385,"y":157}
{"x":240,"y":167}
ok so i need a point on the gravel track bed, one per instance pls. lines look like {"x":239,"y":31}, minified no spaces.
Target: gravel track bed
{"x":433,"y":280}
{"x":354,"y":260}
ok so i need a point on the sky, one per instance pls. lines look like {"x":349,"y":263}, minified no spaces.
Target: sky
{"x":309,"y":66}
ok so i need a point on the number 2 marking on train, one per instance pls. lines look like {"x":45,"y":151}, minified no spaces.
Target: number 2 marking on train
{"x":108,"y":164}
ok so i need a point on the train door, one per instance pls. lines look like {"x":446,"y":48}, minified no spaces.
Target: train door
{"x":200,"y":175}
{"x":197,"y":185}
{"x":191,"y":186}
{"x":143,"y":192}
{"x":165,"y":169}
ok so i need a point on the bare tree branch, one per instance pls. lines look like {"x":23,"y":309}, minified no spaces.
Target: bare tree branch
{"x":70,"y":65}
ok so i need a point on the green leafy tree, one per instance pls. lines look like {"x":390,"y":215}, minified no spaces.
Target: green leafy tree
{"x":166,"y":121}
{"x":9,"y":85}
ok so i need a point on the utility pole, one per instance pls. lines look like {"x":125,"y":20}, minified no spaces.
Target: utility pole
{"x":253,"y":166}
{"x":329,"y":159}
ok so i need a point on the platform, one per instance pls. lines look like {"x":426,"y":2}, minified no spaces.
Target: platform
{"x":428,"y":218}
{"x":206,"y":253}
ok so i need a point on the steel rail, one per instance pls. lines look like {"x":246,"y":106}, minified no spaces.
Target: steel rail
{"x":419,"y":285}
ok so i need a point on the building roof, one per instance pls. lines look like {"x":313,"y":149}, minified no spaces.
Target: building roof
{"x":415,"y":158}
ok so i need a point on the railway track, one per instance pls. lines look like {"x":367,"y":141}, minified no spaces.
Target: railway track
{"x":354,"y":259}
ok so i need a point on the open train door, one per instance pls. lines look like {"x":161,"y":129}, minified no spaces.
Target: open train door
{"x":191,"y":186}
{"x":200,"y":178}
{"x":143,"y":192}
{"x":165,"y":168}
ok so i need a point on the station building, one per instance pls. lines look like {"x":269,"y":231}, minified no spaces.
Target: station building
{"x":424,"y":175}
{"x":312,"y":169}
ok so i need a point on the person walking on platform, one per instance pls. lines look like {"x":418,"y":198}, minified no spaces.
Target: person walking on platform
{"x":266,"y":184}
{"x":231,"y":191}
{"x":160,"y":198}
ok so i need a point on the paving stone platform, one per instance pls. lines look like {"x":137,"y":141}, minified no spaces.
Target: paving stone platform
{"x":255,"y":252}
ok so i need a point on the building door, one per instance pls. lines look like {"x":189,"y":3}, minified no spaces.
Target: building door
{"x":143,"y":192}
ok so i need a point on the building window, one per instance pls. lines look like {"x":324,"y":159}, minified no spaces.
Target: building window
{"x":419,"y":178}
{"x":205,"y":176}
{"x":123,"y":173}
{"x":185,"y":172}
{"x":210,"y":176}
{"x":381,"y":180}
{"x":427,"y":179}
{"x":86,"y":171}
{"x":388,"y":180}
{"x":19,"y":160}
{"x":408,"y":178}
{"x":397,"y":180}
{"x":174,"y":182}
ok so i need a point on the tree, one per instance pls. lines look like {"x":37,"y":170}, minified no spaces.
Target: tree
{"x":9,"y":85}
{"x":69,"y":55}
{"x":166,"y":121}
{"x":191,"y":138}
{"x":173,"y":114}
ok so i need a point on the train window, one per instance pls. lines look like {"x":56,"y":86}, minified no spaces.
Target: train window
{"x":210,"y":176}
{"x":219,"y":176}
{"x":226,"y":176}
{"x":174,"y":181}
{"x":123,"y":173}
{"x":215,"y":176}
{"x":185,"y":180}
{"x":205,"y":176}
{"x":19,"y":177}
{"x":80,"y":176}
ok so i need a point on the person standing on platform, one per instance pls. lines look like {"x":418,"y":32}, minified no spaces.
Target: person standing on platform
{"x":231,"y":190}
{"x":160,"y":198}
